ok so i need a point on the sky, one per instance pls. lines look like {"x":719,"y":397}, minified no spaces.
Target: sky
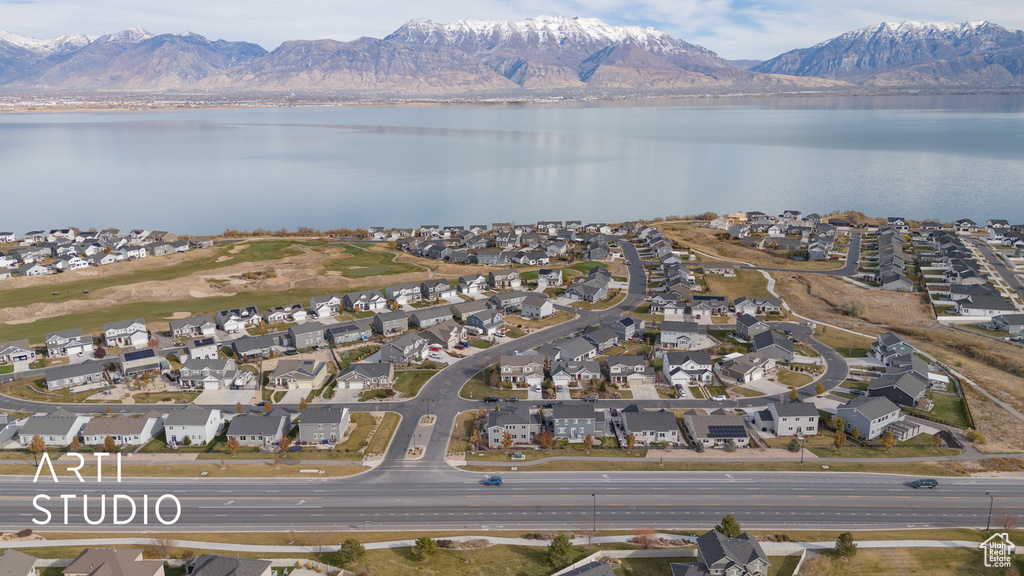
{"x":735,"y":29}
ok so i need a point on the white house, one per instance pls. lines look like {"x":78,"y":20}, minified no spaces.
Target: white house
{"x":537,"y":307}
{"x":125,"y":429}
{"x":788,"y":419}
{"x":200,"y":425}
{"x":126,"y":334}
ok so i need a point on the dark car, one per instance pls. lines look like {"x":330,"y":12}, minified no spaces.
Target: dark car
{"x":491,"y":399}
{"x":924,"y":483}
{"x":261,"y":404}
{"x":590,"y":399}
{"x":492,"y":481}
{"x":787,"y":332}
{"x":512,"y":399}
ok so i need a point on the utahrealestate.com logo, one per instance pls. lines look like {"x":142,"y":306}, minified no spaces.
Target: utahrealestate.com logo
{"x":998,"y":550}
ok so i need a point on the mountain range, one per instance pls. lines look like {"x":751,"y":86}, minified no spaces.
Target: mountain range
{"x":573,"y":57}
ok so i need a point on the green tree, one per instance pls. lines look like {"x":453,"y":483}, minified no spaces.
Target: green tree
{"x":793,"y":394}
{"x":845,"y":546}
{"x":588,"y":442}
{"x":187,"y":441}
{"x":730,"y":527}
{"x":837,"y":423}
{"x":840,"y":440}
{"x":888,"y":440}
{"x":560,"y":551}
{"x":819,"y":389}
{"x":425,"y":547}
{"x":350,"y":551}
{"x":731,"y":446}
{"x":794,"y":445}
{"x":699,"y":447}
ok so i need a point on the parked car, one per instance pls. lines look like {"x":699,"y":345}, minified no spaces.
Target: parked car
{"x":925,"y":483}
{"x":491,"y":399}
{"x":436,"y":356}
{"x":512,"y":399}
{"x":492,"y":481}
{"x":590,"y":399}
{"x":719,"y":398}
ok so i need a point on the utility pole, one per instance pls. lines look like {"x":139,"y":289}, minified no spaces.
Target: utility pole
{"x":803,"y":444}
{"x":991,"y":502}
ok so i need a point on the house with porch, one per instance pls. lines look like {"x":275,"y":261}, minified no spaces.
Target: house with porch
{"x":208,"y":374}
{"x":687,"y":368}
{"x":364,"y":300}
{"x":299,"y":374}
{"x":194,"y":326}
{"x":200,"y":425}
{"x":237,"y":319}
{"x":126,"y":334}
{"x":325,"y":306}
{"x":647,"y":428}
{"x":517,"y":420}
{"x":125,"y":429}
{"x":367,"y":375}
{"x":787,"y":419}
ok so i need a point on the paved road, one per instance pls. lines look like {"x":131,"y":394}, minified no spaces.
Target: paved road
{"x":852,"y":261}
{"x":449,"y":499}
{"x":1008,"y":275}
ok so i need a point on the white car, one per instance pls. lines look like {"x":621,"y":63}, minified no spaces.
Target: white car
{"x":719,"y":398}
{"x":436,"y":356}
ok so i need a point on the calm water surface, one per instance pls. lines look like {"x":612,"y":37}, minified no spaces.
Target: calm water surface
{"x":203,"y":171}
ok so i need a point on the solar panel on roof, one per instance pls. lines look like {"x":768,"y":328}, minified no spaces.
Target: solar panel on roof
{"x":726,"y":431}
{"x":139,"y":355}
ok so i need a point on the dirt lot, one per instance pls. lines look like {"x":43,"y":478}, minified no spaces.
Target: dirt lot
{"x":706,"y":240}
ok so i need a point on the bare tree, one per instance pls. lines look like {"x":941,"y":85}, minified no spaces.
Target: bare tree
{"x":645,"y":538}
{"x":1007,"y":522}
{"x":164,"y":546}
{"x":233,"y":445}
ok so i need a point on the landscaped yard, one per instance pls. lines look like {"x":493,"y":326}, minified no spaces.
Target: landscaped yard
{"x":947,"y":409}
{"x":379,"y":443}
{"x":920,"y":446}
{"x":478,"y":388}
{"x":34,"y":389}
{"x":747,"y":392}
{"x":848,"y":345}
{"x":513,"y":332}
{"x":477,"y":343}
{"x":603,"y":304}
{"x":790,"y":378}
{"x":409,"y":382}
{"x":556,"y":318}
{"x":6,"y":369}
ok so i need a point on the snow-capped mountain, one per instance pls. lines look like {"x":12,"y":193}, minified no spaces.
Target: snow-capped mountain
{"x":910,"y":52}
{"x":66,"y":43}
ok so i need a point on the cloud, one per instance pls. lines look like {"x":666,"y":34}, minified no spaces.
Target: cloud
{"x":733,"y":28}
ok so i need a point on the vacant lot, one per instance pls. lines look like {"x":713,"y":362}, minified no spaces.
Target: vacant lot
{"x":409,"y":382}
{"x":848,"y":345}
{"x":707,"y":241}
{"x":750,"y":283}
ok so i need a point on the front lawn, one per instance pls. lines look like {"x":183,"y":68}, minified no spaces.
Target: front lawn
{"x":948,"y":409}
{"x":409,"y":382}
{"x":556,"y":318}
{"x":795,"y":379}
{"x":477,"y":388}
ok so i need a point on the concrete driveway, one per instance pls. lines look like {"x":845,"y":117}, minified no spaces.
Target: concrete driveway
{"x":563,"y":394}
{"x":534,"y":393}
{"x":345,"y":396}
{"x":225,"y":397}
{"x":644,"y":392}
{"x":294,"y":396}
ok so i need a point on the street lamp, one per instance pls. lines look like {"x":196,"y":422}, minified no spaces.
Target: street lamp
{"x":594,"y":529}
{"x":803,"y":444}
{"x":991,"y":502}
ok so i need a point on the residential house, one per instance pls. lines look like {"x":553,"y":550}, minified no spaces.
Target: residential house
{"x":202,"y":349}
{"x":518,"y":421}
{"x":504,"y":280}
{"x":650,"y":427}
{"x":965,"y":226}
{"x":536,"y":306}
{"x":310,"y":335}
{"x":773,"y":345}
{"x":526,"y":369}
{"x":71,"y":375}
{"x":14,"y":563}
{"x":126,"y":334}
{"x":447,"y":334}
{"x":603,"y":338}
{"x":682,"y":335}
{"x":200,"y":325}
{"x":719,"y":555}
{"x":570,"y":373}
{"x":757,"y":306}
{"x":57,"y":428}
{"x":197,"y":424}
{"x":124,"y":429}
{"x":326,"y":305}
{"x":720,"y":268}
{"x":869,"y":415}
{"x":625,"y":327}
{"x":659,"y":303}
{"x":574,"y":422}
{"x":905,"y":389}
{"x":462,"y":311}
{"x":472,"y":284}
{"x":404,"y":349}
{"x":437,"y":289}
{"x":687,"y":368}
{"x":286,"y":313}
{"x":137,"y":362}
{"x":323,"y":425}
{"x":493,"y":257}
{"x":788,"y":419}
{"x":113,"y":562}
{"x":299,"y":374}
{"x":888,"y":346}
{"x":748,"y":326}
{"x":509,"y":302}
{"x":428,"y":317}
{"x":366,"y":375}
{"x":1009,"y":323}
{"x":984,"y":306}
{"x":215,"y":565}
{"x":67,"y":343}
{"x":364,"y":300}
{"x":401,"y":294}
{"x":620,"y":367}
{"x":549,"y":278}
{"x":347,"y":332}
{"x":703,"y":305}
{"x":747,"y":368}
{"x":238,"y":319}
{"x":486,"y":322}
{"x":390,"y":323}
{"x":576,"y":349}
{"x":34,"y":270}
{"x":717,"y":429}
{"x":256,"y":346}
{"x":208,"y":374}
{"x":260,"y":430}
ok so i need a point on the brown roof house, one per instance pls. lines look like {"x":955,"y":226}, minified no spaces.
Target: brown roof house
{"x":125,"y":429}
{"x":113,"y":562}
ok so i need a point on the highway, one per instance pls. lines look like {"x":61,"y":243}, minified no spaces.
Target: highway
{"x":450,"y":499}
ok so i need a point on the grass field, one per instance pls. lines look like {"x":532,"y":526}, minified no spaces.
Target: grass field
{"x":379,"y":443}
{"x":363,"y":263}
{"x":462,"y":432}
{"x":848,"y":345}
{"x":746,"y":283}
{"x":920,"y":446}
{"x":409,"y":382}
{"x":556,"y":318}
{"x":477,"y":388}
{"x":946,"y":407}
{"x":790,"y":378}
{"x":881,"y":466}
{"x":603,"y":304}
{"x":34,"y":389}
{"x":901,"y":561}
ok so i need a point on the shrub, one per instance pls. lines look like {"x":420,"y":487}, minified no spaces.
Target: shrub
{"x":794,"y":445}
{"x":24,"y":533}
{"x":975,"y":437}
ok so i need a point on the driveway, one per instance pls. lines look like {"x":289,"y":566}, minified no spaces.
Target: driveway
{"x":225,"y":397}
{"x":563,"y":394}
{"x":534,"y":393}
{"x":294,"y":396}
{"x":645,"y":392}
{"x":345,"y":396}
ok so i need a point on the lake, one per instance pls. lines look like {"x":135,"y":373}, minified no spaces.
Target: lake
{"x":203,"y":171}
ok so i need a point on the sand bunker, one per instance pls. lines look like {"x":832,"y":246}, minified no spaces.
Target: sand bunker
{"x":223,"y":258}
{"x":238,"y":248}
{"x":25,"y":321}
{"x":179,"y":316}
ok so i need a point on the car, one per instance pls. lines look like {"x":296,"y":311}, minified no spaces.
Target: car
{"x":436,"y":356}
{"x":787,"y":332}
{"x":590,"y":399}
{"x":491,"y":399}
{"x":626,"y":262}
{"x":464,"y":344}
{"x":560,"y":388}
{"x":719,"y":398}
{"x":492,"y":481}
{"x":435,"y":348}
{"x":260,"y":404}
{"x":925,"y":483}
{"x":460,"y":347}
{"x":512,"y":399}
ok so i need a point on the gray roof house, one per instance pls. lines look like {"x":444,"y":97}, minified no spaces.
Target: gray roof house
{"x":576,"y":349}
{"x":870,"y":415}
{"x":1010,"y":323}
{"x":773,"y":345}
{"x":683,"y":335}
{"x":124,"y":429}
{"x":719,"y":555}
{"x":208,"y":374}
{"x":717,"y":429}
{"x":200,"y":325}
{"x":237,"y":319}
{"x":324,"y":306}
{"x":71,"y":375}
{"x":364,"y":300}
{"x":363,"y":375}
{"x":256,"y":346}
{"x":430,"y":316}
{"x":126,"y":333}
{"x":354,"y":331}
{"x":516,"y":420}
{"x":404,"y":293}
{"x":323,"y":425}
{"x":436,"y":288}
{"x":198,"y":424}
{"x":389,"y":323}
{"x":462,"y":311}
{"x":14,"y":563}
{"x":404,"y":349}
{"x":575,"y":422}
{"x":603,"y":338}
{"x":202,"y":348}
{"x":67,"y":343}
{"x":888,"y":345}
{"x":507,"y":302}
{"x":904,"y":389}
{"x":788,"y":419}
{"x":650,"y":427}
{"x":215,"y":565}
{"x":57,"y":428}
{"x":262,"y":431}
{"x":748,"y":326}
{"x":487,"y":322}
{"x":309,"y":335}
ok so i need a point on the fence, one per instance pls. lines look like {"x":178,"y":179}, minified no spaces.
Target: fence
{"x":609,"y":554}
